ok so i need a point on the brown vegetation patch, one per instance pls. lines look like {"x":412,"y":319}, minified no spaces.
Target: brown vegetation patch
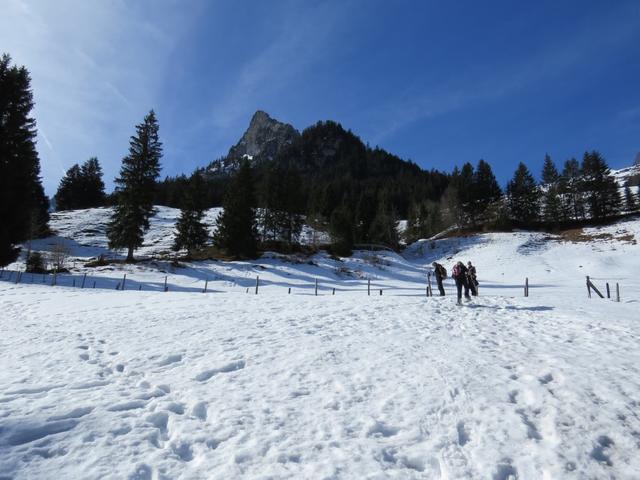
{"x":578,"y":235}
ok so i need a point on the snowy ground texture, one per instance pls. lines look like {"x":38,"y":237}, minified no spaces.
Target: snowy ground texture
{"x":99,"y":383}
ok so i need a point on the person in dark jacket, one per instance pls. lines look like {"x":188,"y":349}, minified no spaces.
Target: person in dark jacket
{"x":459,"y":274}
{"x":472,"y":279}
{"x":440,"y":274}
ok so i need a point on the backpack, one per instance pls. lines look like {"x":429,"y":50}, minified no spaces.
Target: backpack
{"x":443,"y":271}
{"x":457,"y":271}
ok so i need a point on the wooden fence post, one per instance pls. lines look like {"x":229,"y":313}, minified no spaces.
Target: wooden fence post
{"x":369,"y":286}
{"x":380,"y":291}
{"x":588,"y":286}
{"x":334,"y":291}
{"x":617,"y":292}
{"x":84,"y":277}
{"x":124,"y":279}
{"x":166,"y":287}
{"x":316,"y":287}
{"x":608,"y":291}
{"x":289,"y":290}
{"x":94,"y":284}
{"x":206,"y":283}
{"x":257,"y":283}
{"x":526,"y":286}
{"x":140,"y":287}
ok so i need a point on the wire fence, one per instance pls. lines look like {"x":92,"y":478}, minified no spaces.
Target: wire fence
{"x":256,"y":285}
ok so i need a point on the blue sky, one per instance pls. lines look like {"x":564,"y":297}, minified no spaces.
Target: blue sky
{"x":440,"y":83}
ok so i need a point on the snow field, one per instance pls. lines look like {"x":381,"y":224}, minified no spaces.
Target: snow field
{"x":99,"y":383}
{"x":106,"y":384}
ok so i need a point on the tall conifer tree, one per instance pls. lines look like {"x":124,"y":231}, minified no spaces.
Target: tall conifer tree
{"x":191,"y":231}
{"x":523,"y":196}
{"x":23,"y":204}
{"x":135,"y":188}
{"x":601,"y":189}
{"x":236,"y":232}
{"x":552,"y":204}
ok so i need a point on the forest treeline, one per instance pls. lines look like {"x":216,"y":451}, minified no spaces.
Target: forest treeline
{"x":327,"y":178}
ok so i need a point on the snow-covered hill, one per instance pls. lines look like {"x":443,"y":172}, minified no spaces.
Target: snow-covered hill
{"x":99,"y":383}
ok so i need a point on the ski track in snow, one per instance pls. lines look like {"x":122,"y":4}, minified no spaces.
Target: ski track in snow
{"x":178,"y":385}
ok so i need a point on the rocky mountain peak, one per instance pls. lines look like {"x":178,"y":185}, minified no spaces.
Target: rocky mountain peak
{"x":264,"y":138}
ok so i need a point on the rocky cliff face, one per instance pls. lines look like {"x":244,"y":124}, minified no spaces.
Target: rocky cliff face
{"x":262,"y":141}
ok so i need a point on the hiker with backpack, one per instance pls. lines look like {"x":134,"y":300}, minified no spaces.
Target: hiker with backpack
{"x":472,"y":279}
{"x":459,"y":274}
{"x":440,"y":273}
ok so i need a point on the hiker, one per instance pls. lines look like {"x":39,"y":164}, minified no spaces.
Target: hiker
{"x":459,"y":274}
{"x":441,"y":273}
{"x":472,"y":279}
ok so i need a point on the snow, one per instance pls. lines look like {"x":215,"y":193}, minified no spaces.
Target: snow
{"x":104,"y":383}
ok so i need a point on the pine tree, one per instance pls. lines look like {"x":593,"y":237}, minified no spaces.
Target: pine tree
{"x":552,"y":203}
{"x":424,"y":221}
{"x":601,"y":189}
{"x":191,"y":231}
{"x":383,"y":229}
{"x":281,"y":200}
{"x":23,"y":204}
{"x":341,"y":229}
{"x":236,"y":232}
{"x":550,"y":175}
{"x":571,"y":190}
{"x":523,"y":196}
{"x":92,"y":193}
{"x":466,"y":192}
{"x":67,"y":196}
{"x":135,"y":188}
{"x":631,"y":204}
{"x":486,"y":190}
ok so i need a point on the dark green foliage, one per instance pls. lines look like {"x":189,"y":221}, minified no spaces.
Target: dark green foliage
{"x":570,"y":187}
{"x":335,"y":166}
{"x":191,"y":231}
{"x":550,"y":175}
{"x":341,"y":229}
{"x":135,"y":188}
{"x":425,"y":220}
{"x":35,"y":263}
{"x":281,"y":201}
{"x":236,"y":233}
{"x":23,"y":204}
{"x":523,"y":196}
{"x":630,"y":200}
{"x":552,"y":206}
{"x":383,"y":228}
{"x":599,"y":186}
{"x":486,"y":191}
{"x":81,"y":187}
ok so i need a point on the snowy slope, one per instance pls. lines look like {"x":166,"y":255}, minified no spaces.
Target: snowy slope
{"x":99,"y":383}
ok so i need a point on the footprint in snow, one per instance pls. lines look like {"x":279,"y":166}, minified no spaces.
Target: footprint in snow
{"x":170,"y":359}
{"x":546,"y":379}
{"x":228,"y":368}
